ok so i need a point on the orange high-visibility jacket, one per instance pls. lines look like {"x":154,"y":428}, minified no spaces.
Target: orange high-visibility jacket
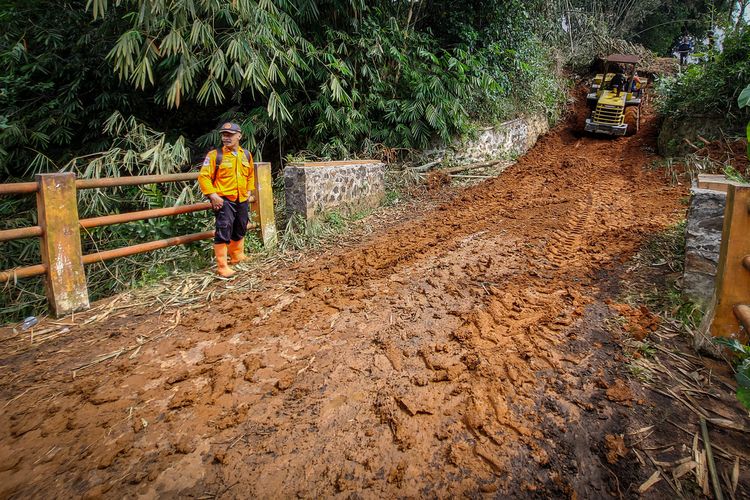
{"x":235,"y":177}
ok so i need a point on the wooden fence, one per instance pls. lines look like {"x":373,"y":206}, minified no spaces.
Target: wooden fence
{"x":59,"y":229}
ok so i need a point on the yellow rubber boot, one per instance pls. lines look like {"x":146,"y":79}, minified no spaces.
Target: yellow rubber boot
{"x":237,"y":251}
{"x":222,"y":268}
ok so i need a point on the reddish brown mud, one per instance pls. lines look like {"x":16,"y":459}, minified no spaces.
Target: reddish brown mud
{"x":460,"y":351}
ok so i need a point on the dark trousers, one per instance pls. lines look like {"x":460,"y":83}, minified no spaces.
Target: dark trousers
{"x":231,"y":221}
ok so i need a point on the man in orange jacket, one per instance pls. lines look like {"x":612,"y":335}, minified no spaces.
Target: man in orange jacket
{"x":227,"y":177}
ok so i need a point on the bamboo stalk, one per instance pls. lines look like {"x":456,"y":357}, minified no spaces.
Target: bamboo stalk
{"x":470,"y":166}
{"x":459,"y":176}
{"x":425,"y":167}
{"x":711,"y":463}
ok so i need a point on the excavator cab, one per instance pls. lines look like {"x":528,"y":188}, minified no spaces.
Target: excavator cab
{"x":615,"y":97}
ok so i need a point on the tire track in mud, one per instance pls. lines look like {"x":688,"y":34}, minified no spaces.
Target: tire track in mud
{"x":433,"y":359}
{"x":570,"y":237}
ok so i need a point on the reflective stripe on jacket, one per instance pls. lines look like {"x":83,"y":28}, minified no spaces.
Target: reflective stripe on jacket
{"x":235,"y":177}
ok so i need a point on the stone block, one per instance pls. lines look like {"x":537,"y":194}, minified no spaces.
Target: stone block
{"x":315,"y":188}
{"x":702,"y":244}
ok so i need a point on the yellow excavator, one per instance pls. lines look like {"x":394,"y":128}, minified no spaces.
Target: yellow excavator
{"x":615,"y":97}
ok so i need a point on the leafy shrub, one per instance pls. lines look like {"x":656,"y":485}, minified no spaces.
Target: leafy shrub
{"x":56,"y":93}
{"x":384,"y":85}
{"x":742,"y":370}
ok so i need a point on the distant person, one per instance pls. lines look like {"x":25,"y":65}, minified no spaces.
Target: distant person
{"x":226,"y":178}
{"x":684,"y":49}
{"x":635,"y":86}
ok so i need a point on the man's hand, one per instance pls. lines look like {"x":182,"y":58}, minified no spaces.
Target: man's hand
{"x":216,"y":201}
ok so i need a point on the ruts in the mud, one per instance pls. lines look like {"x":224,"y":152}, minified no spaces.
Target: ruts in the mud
{"x":439,"y":356}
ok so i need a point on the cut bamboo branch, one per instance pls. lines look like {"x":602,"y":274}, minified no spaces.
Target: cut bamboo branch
{"x":459,"y":176}
{"x":690,"y":144}
{"x":711,"y":463}
{"x":720,"y":451}
{"x":470,"y":166}
{"x":425,"y":167}
{"x":728,"y":424}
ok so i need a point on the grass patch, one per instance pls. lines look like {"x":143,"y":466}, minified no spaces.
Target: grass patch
{"x":663,"y":295}
{"x":640,"y":373}
{"x":392,"y":197}
{"x":299,"y":233}
{"x":734,"y":175}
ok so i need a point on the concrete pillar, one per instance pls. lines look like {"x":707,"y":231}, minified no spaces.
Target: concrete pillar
{"x":263,"y":204}
{"x":57,"y":209}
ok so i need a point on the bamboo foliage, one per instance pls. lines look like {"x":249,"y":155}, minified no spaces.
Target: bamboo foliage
{"x":136,"y":150}
{"x":207,"y":49}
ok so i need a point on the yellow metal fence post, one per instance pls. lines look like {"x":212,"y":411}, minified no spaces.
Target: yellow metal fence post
{"x":263,"y":205}
{"x":732,"y":278}
{"x":57,"y":209}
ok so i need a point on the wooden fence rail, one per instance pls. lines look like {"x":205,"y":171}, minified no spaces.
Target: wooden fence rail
{"x":59,"y":229}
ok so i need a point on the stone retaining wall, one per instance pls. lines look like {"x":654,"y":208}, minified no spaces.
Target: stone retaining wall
{"x":507,"y":140}
{"x":314,"y":188}
{"x":702,"y":244}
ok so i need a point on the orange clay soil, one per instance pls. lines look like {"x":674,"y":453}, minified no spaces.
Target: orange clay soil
{"x":458,"y":351}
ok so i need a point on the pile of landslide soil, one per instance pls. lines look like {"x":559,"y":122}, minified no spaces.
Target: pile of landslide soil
{"x":458,"y":352}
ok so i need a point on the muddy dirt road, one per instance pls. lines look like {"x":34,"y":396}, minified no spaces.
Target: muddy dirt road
{"x":459,"y":351}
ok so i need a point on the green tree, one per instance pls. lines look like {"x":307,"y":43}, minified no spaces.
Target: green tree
{"x":55,"y":92}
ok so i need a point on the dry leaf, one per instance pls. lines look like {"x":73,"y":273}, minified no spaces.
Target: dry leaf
{"x":699,"y":470}
{"x":655,"y":478}
{"x":683,"y":469}
{"x":695,"y":447}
